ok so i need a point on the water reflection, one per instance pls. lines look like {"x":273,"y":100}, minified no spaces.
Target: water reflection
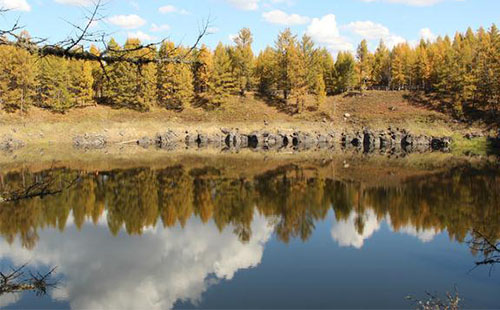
{"x":148,"y":238}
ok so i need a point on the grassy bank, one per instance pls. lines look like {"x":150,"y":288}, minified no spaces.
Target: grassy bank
{"x":374,"y":109}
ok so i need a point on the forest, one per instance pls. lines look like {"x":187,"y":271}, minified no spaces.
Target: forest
{"x":461,"y":74}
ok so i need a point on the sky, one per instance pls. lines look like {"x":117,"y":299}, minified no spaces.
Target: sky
{"x":334,"y":24}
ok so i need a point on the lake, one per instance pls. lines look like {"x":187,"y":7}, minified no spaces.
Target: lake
{"x":199,"y":232}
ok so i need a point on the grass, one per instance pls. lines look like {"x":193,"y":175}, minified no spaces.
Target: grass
{"x":373,"y":109}
{"x":476,"y":146}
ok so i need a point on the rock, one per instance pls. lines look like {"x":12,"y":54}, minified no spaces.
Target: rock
{"x":10,"y":144}
{"x":90,"y":141}
{"x":145,"y":142}
{"x":347,"y":115}
{"x":166,"y":139}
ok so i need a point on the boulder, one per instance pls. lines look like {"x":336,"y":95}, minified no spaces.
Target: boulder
{"x":90,"y":141}
{"x":10,"y":144}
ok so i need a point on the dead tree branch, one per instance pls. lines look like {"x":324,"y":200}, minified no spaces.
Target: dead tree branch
{"x":73,"y":47}
{"x":17,"y":280}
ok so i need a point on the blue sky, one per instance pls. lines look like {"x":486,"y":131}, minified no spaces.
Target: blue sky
{"x":335,"y":24}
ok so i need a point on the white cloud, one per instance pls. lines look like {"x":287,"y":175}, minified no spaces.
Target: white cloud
{"x":151,"y":271}
{"x":374,"y":31}
{"x":426,"y":34}
{"x":368,"y":29}
{"x":410,"y":2}
{"x":141,"y":36}
{"x":127,"y":21}
{"x":424,"y":235}
{"x":325,"y":32}
{"x":160,"y":28}
{"x":172,"y":9}
{"x":281,"y":18}
{"x":346,"y":234}
{"x":77,"y":2}
{"x":16,"y":5}
{"x":247,"y":5}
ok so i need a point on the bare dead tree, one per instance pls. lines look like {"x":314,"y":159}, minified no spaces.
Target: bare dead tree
{"x":452,"y":301}
{"x":486,"y":247}
{"x":40,"y":188}
{"x":20,"y":280}
{"x":72,"y":47}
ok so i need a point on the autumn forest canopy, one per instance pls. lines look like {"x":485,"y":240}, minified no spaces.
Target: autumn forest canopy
{"x":461,"y":73}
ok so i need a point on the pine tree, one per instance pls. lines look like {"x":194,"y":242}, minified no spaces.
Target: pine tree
{"x":319,"y":89}
{"x":398,"y":68}
{"x":53,"y":84}
{"x":80,"y":82}
{"x":422,"y":66}
{"x":345,"y":72}
{"x":265,"y":72}
{"x":97,"y":75}
{"x":128,"y":85}
{"x":118,"y":87}
{"x":381,"y":70}
{"x":243,"y":60}
{"x":286,"y":52}
{"x":222,"y":79}
{"x":202,"y":74}
{"x":310,"y":56}
{"x":327,"y":65}
{"x":364,"y":58}
{"x":17,"y":78}
{"x":174,"y":80}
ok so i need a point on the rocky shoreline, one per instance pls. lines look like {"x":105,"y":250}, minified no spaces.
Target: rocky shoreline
{"x":232,"y":138}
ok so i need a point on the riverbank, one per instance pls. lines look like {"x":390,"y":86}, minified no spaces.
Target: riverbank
{"x":376,"y":110}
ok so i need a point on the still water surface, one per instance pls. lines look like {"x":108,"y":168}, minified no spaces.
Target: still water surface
{"x":288,"y":236}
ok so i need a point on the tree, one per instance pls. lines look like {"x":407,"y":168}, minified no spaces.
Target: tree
{"x":128,"y":85}
{"x":286,"y":54}
{"x":97,"y":75}
{"x":203,"y":68}
{"x":174,"y":80}
{"x":265,"y":71}
{"x":222,"y":80}
{"x":17,"y":78}
{"x":381,"y":70}
{"x":80,"y":82}
{"x":422,"y":66}
{"x":345,"y":72}
{"x":319,"y":89}
{"x":398,"y":68}
{"x":327,"y":65}
{"x":53,"y":84}
{"x":243,"y":60}
{"x":364,"y":58}
{"x":291,"y":69}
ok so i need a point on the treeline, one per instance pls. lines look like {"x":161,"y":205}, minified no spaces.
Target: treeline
{"x":294,"y":199}
{"x":461,"y":73}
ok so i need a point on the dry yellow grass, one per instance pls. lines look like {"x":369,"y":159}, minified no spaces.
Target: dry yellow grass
{"x":374,"y":109}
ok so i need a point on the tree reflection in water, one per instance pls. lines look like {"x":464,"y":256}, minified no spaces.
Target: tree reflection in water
{"x":460,"y":201}
{"x":289,"y":200}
